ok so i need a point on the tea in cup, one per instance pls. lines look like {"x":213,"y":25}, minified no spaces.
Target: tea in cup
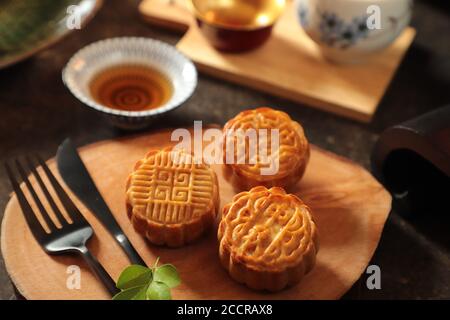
{"x":236,"y":25}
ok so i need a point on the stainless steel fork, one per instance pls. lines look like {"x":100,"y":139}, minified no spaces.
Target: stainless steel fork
{"x":71,"y":236}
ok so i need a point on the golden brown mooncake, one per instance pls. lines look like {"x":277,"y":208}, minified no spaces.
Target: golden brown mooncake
{"x":293,"y":152}
{"x":172,"y":200}
{"x":268,"y":239}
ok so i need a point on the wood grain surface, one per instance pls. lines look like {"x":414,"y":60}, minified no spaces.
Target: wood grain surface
{"x":289,"y":65}
{"x":350,"y":208}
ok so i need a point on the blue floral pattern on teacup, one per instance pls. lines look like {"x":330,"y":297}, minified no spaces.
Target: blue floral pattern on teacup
{"x":346,"y":31}
{"x":335,"y":32}
{"x":303,"y":15}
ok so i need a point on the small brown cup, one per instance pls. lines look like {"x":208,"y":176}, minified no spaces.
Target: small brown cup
{"x":236,"y":25}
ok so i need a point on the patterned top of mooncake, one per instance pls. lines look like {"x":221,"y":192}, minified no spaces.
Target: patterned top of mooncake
{"x":168,"y":187}
{"x":292,"y":147}
{"x":267,"y":229}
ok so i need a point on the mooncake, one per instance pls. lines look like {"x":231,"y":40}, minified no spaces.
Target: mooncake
{"x":171,"y":199}
{"x":268,"y":239}
{"x":288,"y":157}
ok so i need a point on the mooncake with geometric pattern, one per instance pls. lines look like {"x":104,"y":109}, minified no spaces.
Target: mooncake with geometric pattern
{"x":268,"y":239}
{"x":171,"y":199}
{"x":289,"y":157}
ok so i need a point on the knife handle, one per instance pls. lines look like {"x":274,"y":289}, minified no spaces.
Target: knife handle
{"x":107,"y":219}
{"x":98,"y":270}
{"x":130,"y":251}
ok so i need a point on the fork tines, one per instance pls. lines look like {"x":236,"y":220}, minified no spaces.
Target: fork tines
{"x":29,"y":214}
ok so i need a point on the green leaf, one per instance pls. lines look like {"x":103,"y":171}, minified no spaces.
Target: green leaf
{"x":134,"y":276}
{"x":128,"y":294}
{"x":158,"y":291}
{"x":142,"y":294}
{"x":168,"y":275}
{"x":142,"y":283}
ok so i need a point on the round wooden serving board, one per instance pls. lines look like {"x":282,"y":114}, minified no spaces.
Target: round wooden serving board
{"x":349,"y":206}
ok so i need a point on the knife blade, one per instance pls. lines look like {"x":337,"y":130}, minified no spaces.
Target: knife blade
{"x":77,"y":178}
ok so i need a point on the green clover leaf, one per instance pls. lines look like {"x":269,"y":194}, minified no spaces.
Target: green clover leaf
{"x":167,"y":274}
{"x":141,"y":283}
{"x":158,"y":291}
{"x":142,"y":294}
{"x":134,"y":276}
{"x":128,"y":294}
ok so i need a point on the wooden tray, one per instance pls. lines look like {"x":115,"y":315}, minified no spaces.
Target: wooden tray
{"x":289,"y":65}
{"x":349,"y":206}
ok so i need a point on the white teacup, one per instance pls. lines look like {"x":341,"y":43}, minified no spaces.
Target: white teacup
{"x":348,"y":31}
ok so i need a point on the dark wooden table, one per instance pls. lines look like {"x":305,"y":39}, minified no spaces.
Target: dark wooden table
{"x":38,"y":112}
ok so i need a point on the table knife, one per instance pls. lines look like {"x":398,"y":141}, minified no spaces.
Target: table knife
{"x":77,"y":178}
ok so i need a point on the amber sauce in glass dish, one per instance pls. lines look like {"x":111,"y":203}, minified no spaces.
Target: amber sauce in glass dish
{"x":131,"y":88}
